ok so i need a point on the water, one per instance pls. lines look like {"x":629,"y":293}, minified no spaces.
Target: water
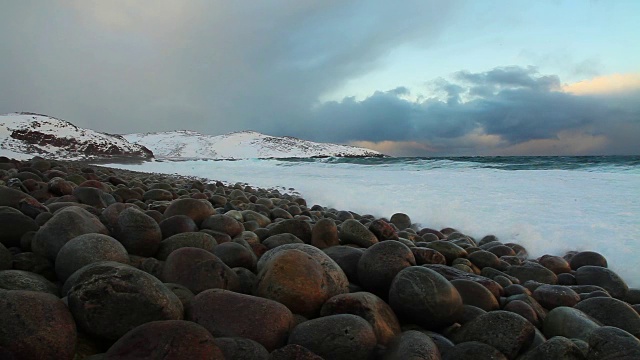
{"x":548,"y":204}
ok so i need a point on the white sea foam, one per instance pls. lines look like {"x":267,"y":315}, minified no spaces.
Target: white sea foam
{"x":547,"y":211}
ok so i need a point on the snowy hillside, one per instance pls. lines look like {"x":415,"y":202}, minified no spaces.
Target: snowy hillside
{"x":23,"y":135}
{"x":238,"y":145}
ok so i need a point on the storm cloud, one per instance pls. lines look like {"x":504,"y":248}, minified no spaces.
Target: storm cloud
{"x":501,"y":111}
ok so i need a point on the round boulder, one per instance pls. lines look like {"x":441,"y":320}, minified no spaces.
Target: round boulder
{"x":354,"y":232}
{"x":139,"y":233}
{"x":86,"y":249}
{"x":603,"y":277}
{"x":476,"y":295}
{"x":424,"y":297}
{"x":230,"y":314}
{"x":342,"y":336}
{"x":380,"y":263}
{"x":177,"y":224}
{"x":198,"y":270}
{"x":224,"y":224}
{"x":612,"y":312}
{"x":197,"y":210}
{"x":167,"y":340}
{"x":14,"y":224}
{"x":198,"y":240}
{"x":325,"y":234}
{"x":239,"y":348}
{"x":611,"y":343}
{"x":35,"y":325}
{"x":109,"y":300}
{"x":587,"y":258}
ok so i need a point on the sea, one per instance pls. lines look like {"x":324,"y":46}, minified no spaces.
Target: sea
{"x":550,"y":205}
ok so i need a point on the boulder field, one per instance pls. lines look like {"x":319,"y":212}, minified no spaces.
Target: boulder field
{"x":101,"y":263}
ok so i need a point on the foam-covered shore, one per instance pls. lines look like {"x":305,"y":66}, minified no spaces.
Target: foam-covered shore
{"x":96,"y":261}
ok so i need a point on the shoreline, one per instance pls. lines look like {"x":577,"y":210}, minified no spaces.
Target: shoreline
{"x":350,"y":262}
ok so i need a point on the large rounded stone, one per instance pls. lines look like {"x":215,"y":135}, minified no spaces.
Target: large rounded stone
{"x":335,"y":279}
{"x":109,"y":300}
{"x":473,"y":350}
{"x":424,"y":297}
{"x":274,"y":241}
{"x":198,"y":210}
{"x":325,"y":234}
{"x":239,"y":348}
{"x":532,"y":271}
{"x":558,"y":347}
{"x":611,"y":343}
{"x":24,"y":280}
{"x":603,"y":277}
{"x":401,"y":221}
{"x":228,"y":314}
{"x":17,"y":199}
{"x":295,"y":279}
{"x":412,"y":345}
{"x":14,"y":224}
{"x":5,"y":258}
{"x":167,"y":340}
{"x":342,"y":336}
{"x":354,"y":232}
{"x":483,"y":258}
{"x":612,"y":312}
{"x":450,"y":250}
{"x":35,"y":326}
{"x":139,"y":233}
{"x":383,"y":230}
{"x":427,"y":256}
{"x":224,"y":224}
{"x":476,"y":295}
{"x":177,"y":224}
{"x":556,"y":264}
{"x":93,"y":197}
{"x":508,"y":332}
{"x":568,"y":322}
{"x":189,"y":239}
{"x":157,"y":195}
{"x":235,"y":255}
{"x":587,"y":258}
{"x":378,"y":313}
{"x":451,"y":273}
{"x":347,"y":258}
{"x":294,"y":352}
{"x":552,"y":296}
{"x":250,"y":215}
{"x":86,"y":249}
{"x":301,"y":229}
{"x":65,"y":225}
{"x":198,"y":270}
{"x":380,"y":263}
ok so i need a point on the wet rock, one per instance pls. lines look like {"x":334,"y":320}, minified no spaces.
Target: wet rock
{"x":347,"y":258}
{"x":401,"y":221}
{"x":483,"y":258}
{"x":452,"y":274}
{"x":185,"y":295}
{"x":450,"y":250}
{"x":168,"y":339}
{"x":587,"y":258}
{"x":552,"y":296}
{"x":508,"y":332}
{"x":354,"y":232}
{"x":611,"y":343}
{"x":35,"y":325}
{"x":523,"y":309}
{"x":424,"y":297}
{"x":369,"y":307}
{"x":568,"y":322}
{"x":603,"y":277}
{"x":383,"y":230}
{"x":380,"y":263}
{"x":612,"y":312}
{"x":556,"y":264}
{"x":533,"y":271}
{"x":427,"y":256}
{"x":198,"y":270}
{"x":274,"y":241}
{"x":342,"y":336}
{"x":557,"y":347}
{"x":86,"y":249}
{"x":475,"y":294}
{"x":229,"y":314}
{"x":260,"y":219}
{"x":93,"y":197}
{"x":65,"y":225}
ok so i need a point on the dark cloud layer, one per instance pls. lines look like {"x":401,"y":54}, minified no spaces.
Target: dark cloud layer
{"x":507,"y":105}
{"x":221,"y":66}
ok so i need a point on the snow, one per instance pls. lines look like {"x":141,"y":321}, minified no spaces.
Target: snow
{"x":59,"y":129}
{"x":239,"y":145}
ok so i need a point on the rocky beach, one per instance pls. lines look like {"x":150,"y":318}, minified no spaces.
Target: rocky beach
{"x":103,"y":263}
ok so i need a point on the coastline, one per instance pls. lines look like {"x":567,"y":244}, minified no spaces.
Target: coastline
{"x":335,"y":263}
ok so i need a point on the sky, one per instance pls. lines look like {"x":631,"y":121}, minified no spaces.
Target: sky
{"x":408,"y":78}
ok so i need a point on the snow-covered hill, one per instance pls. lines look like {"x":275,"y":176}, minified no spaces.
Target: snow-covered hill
{"x":238,"y":145}
{"x":24,"y":135}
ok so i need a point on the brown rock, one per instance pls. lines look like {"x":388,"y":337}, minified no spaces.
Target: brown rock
{"x":198,"y":270}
